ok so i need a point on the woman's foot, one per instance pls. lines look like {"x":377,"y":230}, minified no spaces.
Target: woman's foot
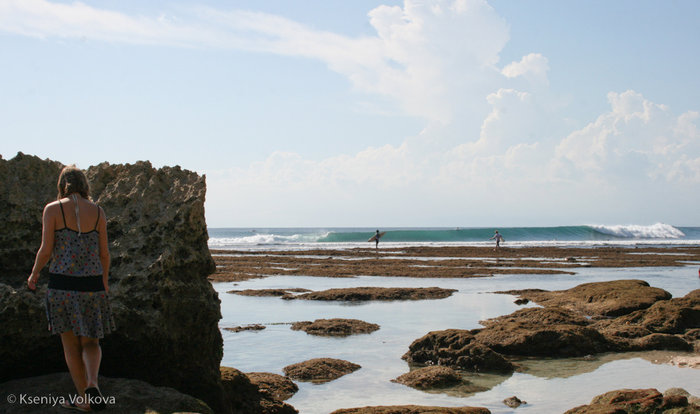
{"x":95,"y":399}
{"x":70,"y":405}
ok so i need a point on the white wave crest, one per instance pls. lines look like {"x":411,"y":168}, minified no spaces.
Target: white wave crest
{"x":632,"y":231}
{"x":262,"y":239}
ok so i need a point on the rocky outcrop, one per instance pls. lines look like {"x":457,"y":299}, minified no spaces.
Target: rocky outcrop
{"x":412,"y":409}
{"x":613,"y":298}
{"x":283,"y":293}
{"x":514,"y":402}
{"x":646,"y":401}
{"x":541,"y":332}
{"x":456,"y":348}
{"x":335,"y":327}
{"x":320,"y":370}
{"x":165,"y":309}
{"x":378,"y":293}
{"x":429,"y":377}
{"x":254,"y":327}
{"x":279,"y":387}
{"x":128,"y":396}
{"x":243,"y":396}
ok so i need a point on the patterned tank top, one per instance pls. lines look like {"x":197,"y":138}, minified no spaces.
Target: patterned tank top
{"x":76,"y":253}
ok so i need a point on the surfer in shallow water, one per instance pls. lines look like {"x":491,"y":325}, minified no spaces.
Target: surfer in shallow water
{"x":376,"y":239}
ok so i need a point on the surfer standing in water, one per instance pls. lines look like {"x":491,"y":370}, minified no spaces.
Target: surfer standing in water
{"x":499,"y":238}
{"x":376,"y":239}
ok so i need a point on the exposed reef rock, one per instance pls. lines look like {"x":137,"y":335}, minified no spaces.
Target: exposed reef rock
{"x":255,"y":327}
{"x":429,"y":377}
{"x":614,"y":298}
{"x":541,"y":332}
{"x":335,"y":327}
{"x":646,"y":401}
{"x":320,"y":370}
{"x":514,"y":402}
{"x":283,"y":293}
{"x":412,"y":409}
{"x":456,"y":348}
{"x":378,"y":293}
{"x":165,"y":309}
{"x":127,"y":396}
{"x":556,"y":331}
{"x":243,"y":396}
{"x":279,"y":387}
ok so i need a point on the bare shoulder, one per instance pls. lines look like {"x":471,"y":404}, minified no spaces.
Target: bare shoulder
{"x":52,"y":207}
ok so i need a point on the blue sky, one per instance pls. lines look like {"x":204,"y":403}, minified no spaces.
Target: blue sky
{"x":372,"y":113}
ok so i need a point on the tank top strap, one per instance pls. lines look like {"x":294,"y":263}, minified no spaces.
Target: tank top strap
{"x":62,"y":214}
{"x":97,"y":222}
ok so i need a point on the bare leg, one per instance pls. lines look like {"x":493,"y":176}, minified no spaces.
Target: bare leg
{"x":92,"y":356}
{"x":72,"y":350}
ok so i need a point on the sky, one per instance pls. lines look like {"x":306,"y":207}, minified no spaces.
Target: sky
{"x":331,"y":113}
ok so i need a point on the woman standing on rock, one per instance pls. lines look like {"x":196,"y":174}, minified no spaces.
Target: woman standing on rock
{"x":74,"y":237}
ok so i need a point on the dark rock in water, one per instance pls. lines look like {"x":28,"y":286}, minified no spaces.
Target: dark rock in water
{"x":320,"y":370}
{"x":521,"y":301}
{"x":614,"y":298}
{"x":645,"y":401}
{"x":165,"y":309}
{"x":429,"y":377}
{"x":541,"y":332}
{"x":412,"y":409}
{"x":378,"y":293}
{"x":279,"y":387}
{"x":246,"y":328}
{"x":456,"y":348}
{"x":241,"y":395}
{"x":128,"y":396}
{"x":514,"y":402}
{"x":335,"y":327}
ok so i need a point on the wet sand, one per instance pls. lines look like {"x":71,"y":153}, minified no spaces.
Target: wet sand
{"x":441,"y":262}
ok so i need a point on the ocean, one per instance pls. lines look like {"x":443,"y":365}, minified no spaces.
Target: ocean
{"x":342,"y":238}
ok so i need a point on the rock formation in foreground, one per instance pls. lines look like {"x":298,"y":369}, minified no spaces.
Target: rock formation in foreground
{"x":165,"y":309}
{"x":335,"y":327}
{"x":124,"y":396}
{"x":279,"y":387}
{"x":243,"y":396}
{"x":429,"y":377}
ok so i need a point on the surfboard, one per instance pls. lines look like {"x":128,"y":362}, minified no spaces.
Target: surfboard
{"x":375,"y":237}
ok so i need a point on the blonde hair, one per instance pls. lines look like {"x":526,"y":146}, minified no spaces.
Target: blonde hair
{"x":72,"y":180}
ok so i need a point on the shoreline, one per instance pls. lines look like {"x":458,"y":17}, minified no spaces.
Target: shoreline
{"x":442,"y":261}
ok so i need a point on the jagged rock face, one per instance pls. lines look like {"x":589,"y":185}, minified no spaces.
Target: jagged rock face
{"x":165,"y":309}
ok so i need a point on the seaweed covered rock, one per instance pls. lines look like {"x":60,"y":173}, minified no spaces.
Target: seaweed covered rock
{"x":378,"y":293}
{"x":456,"y":348}
{"x":639,"y":401}
{"x":429,"y":377}
{"x":279,"y":387}
{"x":335,"y":327}
{"x":612,"y":298}
{"x":541,"y":332}
{"x":165,"y":309}
{"x":320,"y":370}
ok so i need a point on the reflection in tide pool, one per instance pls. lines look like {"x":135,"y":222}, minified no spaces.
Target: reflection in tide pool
{"x":576,"y":380}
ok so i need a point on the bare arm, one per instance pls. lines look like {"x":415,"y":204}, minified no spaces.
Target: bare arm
{"x":104,"y":250}
{"x":46,"y":249}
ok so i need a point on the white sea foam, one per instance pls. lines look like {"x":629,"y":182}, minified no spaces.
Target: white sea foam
{"x":654,"y":231}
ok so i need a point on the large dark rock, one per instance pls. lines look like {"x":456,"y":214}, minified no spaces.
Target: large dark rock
{"x":127,"y":396}
{"x":541,"y":332}
{"x":165,"y":309}
{"x":456,"y":348}
{"x":645,"y":401}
